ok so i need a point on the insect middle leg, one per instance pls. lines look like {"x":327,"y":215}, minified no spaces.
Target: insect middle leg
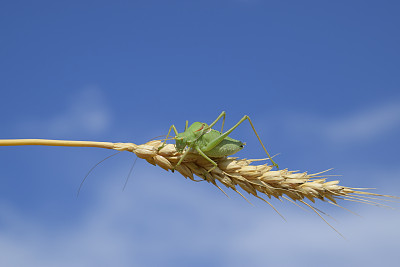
{"x":201,"y":153}
{"x":218,"y":140}
{"x":207,"y":158}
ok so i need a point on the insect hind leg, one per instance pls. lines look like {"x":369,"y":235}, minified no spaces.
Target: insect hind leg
{"x":218,"y":140}
{"x":259,"y":139}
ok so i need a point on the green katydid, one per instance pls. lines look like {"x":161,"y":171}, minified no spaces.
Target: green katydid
{"x":208,"y":142}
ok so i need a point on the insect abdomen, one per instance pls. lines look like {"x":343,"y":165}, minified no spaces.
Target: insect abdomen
{"x":227,"y":147}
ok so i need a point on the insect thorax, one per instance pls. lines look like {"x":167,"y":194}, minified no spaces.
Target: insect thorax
{"x":190,"y":136}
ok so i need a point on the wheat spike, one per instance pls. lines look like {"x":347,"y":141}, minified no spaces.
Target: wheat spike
{"x":253,"y":179}
{"x":232,"y":172}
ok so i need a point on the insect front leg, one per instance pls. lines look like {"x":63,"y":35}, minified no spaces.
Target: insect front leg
{"x":181,"y":159}
{"x":218,"y":140}
{"x":222,"y":115}
{"x":169,"y":131}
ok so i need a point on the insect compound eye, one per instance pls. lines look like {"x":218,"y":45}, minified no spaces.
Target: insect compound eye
{"x":201,"y":128}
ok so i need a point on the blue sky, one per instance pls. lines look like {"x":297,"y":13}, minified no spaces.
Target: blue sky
{"x":320,"y":80}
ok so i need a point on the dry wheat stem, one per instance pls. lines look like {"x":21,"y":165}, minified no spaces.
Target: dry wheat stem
{"x":233,"y":172}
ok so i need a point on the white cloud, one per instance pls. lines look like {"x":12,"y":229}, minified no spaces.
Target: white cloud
{"x":362,"y":126}
{"x":365,"y":125}
{"x":86,"y":113}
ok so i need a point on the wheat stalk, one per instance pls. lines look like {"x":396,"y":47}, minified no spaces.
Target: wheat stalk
{"x":233,"y":172}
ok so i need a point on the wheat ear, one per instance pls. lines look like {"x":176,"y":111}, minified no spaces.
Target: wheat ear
{"x":253,"y":179}
{"x":232,"y":172}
